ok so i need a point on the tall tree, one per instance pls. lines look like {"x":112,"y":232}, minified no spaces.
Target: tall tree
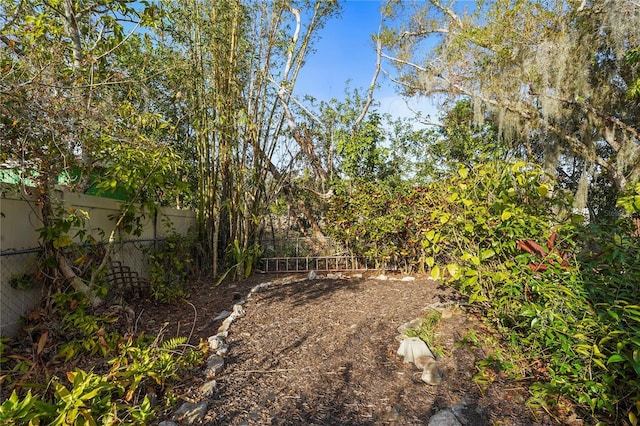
{"x":243,"y":62}
{"x":554,"y":73}
{"x":63,"y":109}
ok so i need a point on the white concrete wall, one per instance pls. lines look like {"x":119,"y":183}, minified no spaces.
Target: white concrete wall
{"x":19,"y":221}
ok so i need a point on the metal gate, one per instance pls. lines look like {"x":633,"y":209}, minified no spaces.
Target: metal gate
{"x":307,"y":254}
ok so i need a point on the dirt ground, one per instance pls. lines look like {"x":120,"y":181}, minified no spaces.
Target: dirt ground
{"x":323,"y":352}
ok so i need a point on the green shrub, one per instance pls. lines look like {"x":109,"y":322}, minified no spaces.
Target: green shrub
{"x":119,"y":396}
{"x":503,"y":235}
{"x":170,"y":265}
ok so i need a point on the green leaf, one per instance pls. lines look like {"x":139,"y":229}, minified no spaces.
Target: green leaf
{"x":615,"y":358}
{"x":487,"y":254}
{"x":518,"y":166}
{"x":435,"y":272}
{"x":454,"y":270}
{"x":62,"y":241}
{"x":506,"y":215}
{"x":463,"y":172}
{"x":600,"y":363}
{"x":453,"y":197}
{"x":543,"y":189}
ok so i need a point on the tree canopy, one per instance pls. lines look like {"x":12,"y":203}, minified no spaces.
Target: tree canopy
{"x":558,"y":77}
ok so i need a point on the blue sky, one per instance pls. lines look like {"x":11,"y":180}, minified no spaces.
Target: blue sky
{"x":346,"y":51}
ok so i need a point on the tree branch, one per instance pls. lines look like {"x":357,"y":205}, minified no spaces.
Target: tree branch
{"x":372,"y":86}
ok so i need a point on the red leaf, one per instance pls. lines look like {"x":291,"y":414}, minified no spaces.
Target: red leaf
{"x":538,"y":267}
{"x":531,"y":247}
{"x":552,"y":240}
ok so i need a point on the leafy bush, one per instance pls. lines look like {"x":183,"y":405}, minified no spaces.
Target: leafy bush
{"x":243,"y":261}
{"x":170,"y":265}
{"x":129,"y":389}
{"x":83,"y":332}
{"x":120,"y":396}
{"x":504,"y":236}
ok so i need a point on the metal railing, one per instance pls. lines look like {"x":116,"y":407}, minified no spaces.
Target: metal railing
{"x":307,"y":254}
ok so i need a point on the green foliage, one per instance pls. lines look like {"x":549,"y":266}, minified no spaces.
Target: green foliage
{"x":427,"y":330}
{"x":83,"y":333}
{"x":462,"y":140}
{"x":58,"y":230}
{"x":26,"y":411}
{"x":630,"y":201}
{"x":148,"y":362}
{"x":633,"y":58}
{"x":243,"y":260}
{"x":22,"y":281}
{"x":502,"y":234}
{"x":551,"y":75}
{"x":494,"y":365}
{"x":360,"y":152}
{"x":465,"y":216}
{"x":121,"y":395}
{"x":170,"y":265}
{"x":86,"y":401}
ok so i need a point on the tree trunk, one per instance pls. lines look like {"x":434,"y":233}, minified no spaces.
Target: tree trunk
{"x":75,"y":281}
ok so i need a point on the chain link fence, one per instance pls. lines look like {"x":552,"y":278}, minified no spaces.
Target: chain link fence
{"x":21,"y":280}
{"x":18,"y":295}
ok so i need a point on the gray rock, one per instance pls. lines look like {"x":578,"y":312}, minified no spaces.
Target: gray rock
{"x":261,"y":286}
{"x":226,"y":323}
{"x":238,"y":311}
{"x":408,"y":279}
{"x":415,"y":350}
{"x":413,"y":347}
{"x":444,"y":418}
{"x":215,"y":342}
{"x":190,"y":413}
{"x":382,"y":277}
{"x":356,"y":275}
{"x":222,"y":350}
{"x":423,"y":360}
{"x":431,"y":374}
{"x":167,"y":423}
{"x":221,"y":315}
{"x":312,"y":275}
{"x":215,"y":365}
{"x":208,"y":389}
{"x":459,"y":411}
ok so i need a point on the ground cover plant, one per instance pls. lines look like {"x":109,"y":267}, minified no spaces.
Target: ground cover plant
{"x":80,"y":367}
{"x":563,"y":292}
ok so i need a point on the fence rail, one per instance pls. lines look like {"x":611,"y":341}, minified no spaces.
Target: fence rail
{"x":308,"y":254}
{"x":318,"y":263}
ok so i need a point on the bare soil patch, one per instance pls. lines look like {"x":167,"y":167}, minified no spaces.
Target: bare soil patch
{"x":323,"y":352}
